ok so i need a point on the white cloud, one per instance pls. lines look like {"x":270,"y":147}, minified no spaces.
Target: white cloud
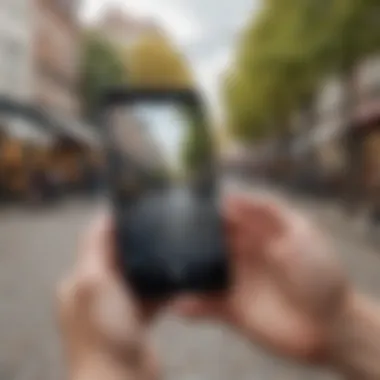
{"x":183,"y":28}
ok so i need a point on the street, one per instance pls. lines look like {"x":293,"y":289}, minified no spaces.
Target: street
{"x":38,"y":247}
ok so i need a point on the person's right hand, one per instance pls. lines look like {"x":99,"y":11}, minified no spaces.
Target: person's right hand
{"x":287,"y":289}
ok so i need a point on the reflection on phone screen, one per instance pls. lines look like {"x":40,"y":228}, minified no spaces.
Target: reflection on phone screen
{"x":164,"y":149}
{"x":164,"y":180}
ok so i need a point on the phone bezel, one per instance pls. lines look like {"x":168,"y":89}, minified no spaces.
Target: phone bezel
{"x":124,"y":96}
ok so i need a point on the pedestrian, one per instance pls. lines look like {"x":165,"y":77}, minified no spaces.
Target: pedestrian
{"x":289,"y":295}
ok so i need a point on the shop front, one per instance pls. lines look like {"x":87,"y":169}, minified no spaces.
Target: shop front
{"x":24,"y":151}
{"x":76,"y":158}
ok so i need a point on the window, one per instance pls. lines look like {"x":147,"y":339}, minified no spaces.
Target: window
{"x":13,"y":61}
{"x":52,"y":74}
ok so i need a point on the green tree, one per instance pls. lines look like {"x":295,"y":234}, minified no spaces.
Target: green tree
{"x":287,"y":49}
{"x":259,"y":92}
{"x":356,"y":35}
{"x":102,"y":66}
{"x":284,"y":53}
{"x":155,"y":62}
{"x":296,"y":43}
{"x":197,"y":145}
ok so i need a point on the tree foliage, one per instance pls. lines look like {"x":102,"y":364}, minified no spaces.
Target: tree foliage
{"x":284,"y":53}
{"x":155,"y":62}
{"x":152,"y":62}
{"x":197,"y":148}
{"x":102,"y":66}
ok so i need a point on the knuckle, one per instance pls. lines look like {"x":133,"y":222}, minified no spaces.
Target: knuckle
{"x":88,"y":286}
{"x":75,"y":287}
{"x":65,"y":289}
{"x":74,"y":295}
{"x":90,"y":282}
{"x":64,"y":297}
{"x":76,"y":291}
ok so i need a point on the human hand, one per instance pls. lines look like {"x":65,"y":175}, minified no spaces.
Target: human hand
{"x":104,"y":327}
{"x":287,"y":289}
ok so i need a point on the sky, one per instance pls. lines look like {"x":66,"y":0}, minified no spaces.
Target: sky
{"x":205,"y":30}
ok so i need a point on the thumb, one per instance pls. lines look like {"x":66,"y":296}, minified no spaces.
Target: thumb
{"x":97,"y":251}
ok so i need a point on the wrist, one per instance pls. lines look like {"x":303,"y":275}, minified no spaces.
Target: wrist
{"x":354,"y":346}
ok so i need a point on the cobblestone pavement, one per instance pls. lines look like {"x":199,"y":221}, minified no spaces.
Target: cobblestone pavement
{"x":37,"y":247}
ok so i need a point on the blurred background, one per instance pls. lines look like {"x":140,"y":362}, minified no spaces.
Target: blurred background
{"x":293,"y":93}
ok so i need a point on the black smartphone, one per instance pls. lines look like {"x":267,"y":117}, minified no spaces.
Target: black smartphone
{"x":163,"y":185}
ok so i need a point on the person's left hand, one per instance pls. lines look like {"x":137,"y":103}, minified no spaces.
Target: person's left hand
{"x":104,"y":328}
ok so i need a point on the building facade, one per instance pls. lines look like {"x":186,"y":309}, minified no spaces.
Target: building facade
{"x":16,"y":26}
{"x":330,"y":123}
{"x":40,"y":63}
{"x":346,"y":141}
{"x":57,"y":39}
{"x":17,"y":135}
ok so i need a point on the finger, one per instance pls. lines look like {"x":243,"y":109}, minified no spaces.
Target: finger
{"x":261,"y":213}
{"x":233,"y":212}
{"x":97,"y":251}
{"x":240,"y":242}
{"x":297,"y":240}
{"x":237,"y":202}
{"x":249,"y":224}
{"x":265,"y":220}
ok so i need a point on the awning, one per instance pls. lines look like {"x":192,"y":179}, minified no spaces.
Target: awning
{"x":77,"y":130}
{"x":25,"y":130}
{"x":24,"y":122}
{"x":30,"y":123}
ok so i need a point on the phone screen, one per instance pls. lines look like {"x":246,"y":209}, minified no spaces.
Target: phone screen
{"x":166,"y":197}
{"x":163,"y":144}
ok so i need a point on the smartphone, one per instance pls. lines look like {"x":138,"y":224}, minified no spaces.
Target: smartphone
{"x":163,"y":184}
